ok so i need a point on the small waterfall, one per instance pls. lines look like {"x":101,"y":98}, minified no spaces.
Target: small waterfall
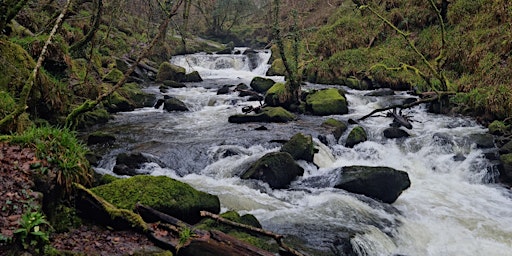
{"x":451,"y":207}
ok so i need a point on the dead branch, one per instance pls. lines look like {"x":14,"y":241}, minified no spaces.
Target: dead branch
{"x":277,"y":237}
{"x":431,"y":98}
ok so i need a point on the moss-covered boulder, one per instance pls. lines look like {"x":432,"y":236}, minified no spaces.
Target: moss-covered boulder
{"x":173,"y":84}
{"x":278,"y":169}
{"x":168,"y":71}
{"x":267,"y":115}
{"x":115,"y":75}
{"x":161,"y":193}
{"x":118,"y":103}
{"x":381,"y":183}
{"x":336,"y":127}
{"x":356,"y":136}
{"x":139,"y":98}
{"x":91,"y":118}
{"x":327,"y":102}
{"x":277,"y":68}
{"x":506,"y":168}
{"x":261,"y":85}
{"x":300,"y":147}
{"x":276,"y":95}
{"x":193,"y":77}
{"x":497,"y":128}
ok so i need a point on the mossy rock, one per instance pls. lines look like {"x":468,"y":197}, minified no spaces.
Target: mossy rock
{"x":107,"y":178}
{"x":277,"y":68}
{"x":327,"y":102}
{"x":497,"y":128}
{"x":261,"y":85}
{"x":100,"y":138}
{"x":118,"y":103}
{"x":114,"y":76}
{"x":174,"y":84}
{"x":278,"y":169}
{"x":137,"y":97}
{"x":300,"y":147}
{"x":162,"y":193}
{"x":268,"y":115}
{"x":276,"y":95}
{"x":168,"y":71}
{"x":337,"y":127}
{"x":91,"y":118}
{"x":356,"y":136}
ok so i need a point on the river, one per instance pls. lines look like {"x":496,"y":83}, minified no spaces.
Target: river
{"x":453,"y":206}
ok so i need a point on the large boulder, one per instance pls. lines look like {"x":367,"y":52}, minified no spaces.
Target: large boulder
{"x":267,"y":115}
{"x":162,"y":193}
{"x":327,"y":102}
{"x":168,"y":71}
{"x":261,"y":84}
{"x":356,"y":136}
{"x":381,"y":183}
{"x":300,"y":147}
{"x":278,"y":169}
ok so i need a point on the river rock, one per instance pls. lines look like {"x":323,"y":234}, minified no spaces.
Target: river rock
{"x":395,"y":133}
{"x":300,"y":147}
{"x":336,"y":127}
{"x":168,"y":71}
{"x":278,"y":169}
{"x":174,"y":84}
{"x":483,"y":140}
{"x":173,"y":104}
{"x":356,"y":136}
{"x":274,"y":96}
{"x":506,"y":168}
{"x":100,"y":138}
{"x":381,"y":183}
{"x":193,"y":77}
{"x":162,"y":193}
{"x":506,"y":149}
{"x":261,"y":85}
{"x":267,"y":115}
{"x":129,"y":163}
{"x":276,"y":68}
{"x":497,"y":128}
{"x":327,"y":102}
{"x":223,"y":90}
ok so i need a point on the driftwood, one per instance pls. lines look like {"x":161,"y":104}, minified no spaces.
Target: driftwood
{"x":277,"y":237}
{"x":183,"y":239}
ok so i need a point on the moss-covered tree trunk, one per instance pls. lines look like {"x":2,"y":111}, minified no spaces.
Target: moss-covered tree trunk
{"x":77,"y":50}
{"x":8,"y":10}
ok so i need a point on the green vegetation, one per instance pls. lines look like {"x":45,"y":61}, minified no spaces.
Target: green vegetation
{"x":161,"y":193}
{"x":62,"y":151}
{"x":33,"y":232}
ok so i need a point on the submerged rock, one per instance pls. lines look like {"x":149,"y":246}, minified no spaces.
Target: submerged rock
{"x":193,"y":77}
{"x":129,"y":163}
{"x":162,"y":193}
{"x":381,"y":183}
{"x":278,"y":169}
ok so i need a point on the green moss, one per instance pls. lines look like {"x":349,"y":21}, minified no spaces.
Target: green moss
{"x":300,"y":147}
{"x":276,"y":95}
{"x":497,"y":128}
{"x":107,"y":178}
{"x":338,"y":127}
{"x":278,"y":114}
{"x":162,"y":193}
{"x":261,"y":84}
{"x":114,"y":76}
{"x":277,"y":68}
{"x":168,"y":71}
{"x":356,"y":136}
{"x":327,"y":102}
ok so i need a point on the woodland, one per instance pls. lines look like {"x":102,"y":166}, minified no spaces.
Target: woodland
{"x":67,"y":65}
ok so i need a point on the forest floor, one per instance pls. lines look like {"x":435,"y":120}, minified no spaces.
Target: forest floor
{"x":18,"y":198}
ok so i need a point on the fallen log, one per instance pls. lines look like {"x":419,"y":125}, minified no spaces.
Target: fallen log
{"x":184,"y":239}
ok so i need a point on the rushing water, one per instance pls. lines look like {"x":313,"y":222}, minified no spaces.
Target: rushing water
{"x":451,"y":208}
